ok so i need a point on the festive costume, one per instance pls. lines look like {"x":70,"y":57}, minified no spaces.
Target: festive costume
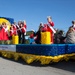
{"x":19,"y":32}
{"x":11,"y":33}
{"x":1,"y":33}
{"x":50,"y":29}
{"x":23,"y":30}
{"x":15,"y":29}
{"x":5,"y":33}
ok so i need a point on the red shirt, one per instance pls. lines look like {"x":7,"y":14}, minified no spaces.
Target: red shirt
{"x":51,"y":23}
{"x":5,"y":34}
{"x":24,"y":29}
{"x":11,"y":32}
{"x":1,"y":34}
{"x":14,"y":29}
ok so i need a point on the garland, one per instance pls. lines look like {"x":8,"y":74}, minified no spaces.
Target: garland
{"x":29,"y":58}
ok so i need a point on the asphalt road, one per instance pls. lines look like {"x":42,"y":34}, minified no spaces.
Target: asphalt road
{"x":11,"y":67}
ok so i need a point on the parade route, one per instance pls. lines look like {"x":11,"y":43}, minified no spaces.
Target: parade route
{"x":11,"y":67}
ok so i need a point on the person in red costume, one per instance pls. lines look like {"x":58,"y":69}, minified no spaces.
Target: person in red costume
{"x":14,"y":28}
{"x":11,"y":32}
{"x":23,"y":31}
{"x":24,"y":27}
{"x":19,"y":26}
{"x":50,"y":27}
{"x":5,"y":32}
{"x":1,"y":32}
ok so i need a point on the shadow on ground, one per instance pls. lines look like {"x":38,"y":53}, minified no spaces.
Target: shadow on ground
{"x":64,"y":65}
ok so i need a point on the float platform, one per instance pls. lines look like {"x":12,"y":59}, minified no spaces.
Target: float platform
{"x":44,"y":53}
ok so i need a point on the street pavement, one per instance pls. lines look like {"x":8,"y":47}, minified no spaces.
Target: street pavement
{"x":11,"y":67}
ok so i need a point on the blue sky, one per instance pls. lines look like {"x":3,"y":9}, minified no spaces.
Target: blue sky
{"x":36,"y":11}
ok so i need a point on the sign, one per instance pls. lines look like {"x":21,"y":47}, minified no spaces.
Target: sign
{"x":8,"y":47}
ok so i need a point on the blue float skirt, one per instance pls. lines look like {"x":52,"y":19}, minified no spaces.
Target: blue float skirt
{"x":43,"y":53}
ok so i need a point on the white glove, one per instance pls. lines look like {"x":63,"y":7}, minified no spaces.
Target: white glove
{"x":25,"y":33}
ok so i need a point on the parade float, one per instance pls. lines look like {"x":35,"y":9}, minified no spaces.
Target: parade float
{"x":45,"y":53}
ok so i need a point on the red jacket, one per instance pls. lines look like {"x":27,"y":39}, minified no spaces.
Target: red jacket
{"x":23,"y":30}
{"x":5,"y":34}
{"x":50,"y":24}
{"x":1,"y":34}
{"x":14,"y":29}
{"x":25,"y":26}
{"x":11,"y":32}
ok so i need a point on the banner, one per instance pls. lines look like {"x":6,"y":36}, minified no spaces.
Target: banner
{"x":8,"y":47}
